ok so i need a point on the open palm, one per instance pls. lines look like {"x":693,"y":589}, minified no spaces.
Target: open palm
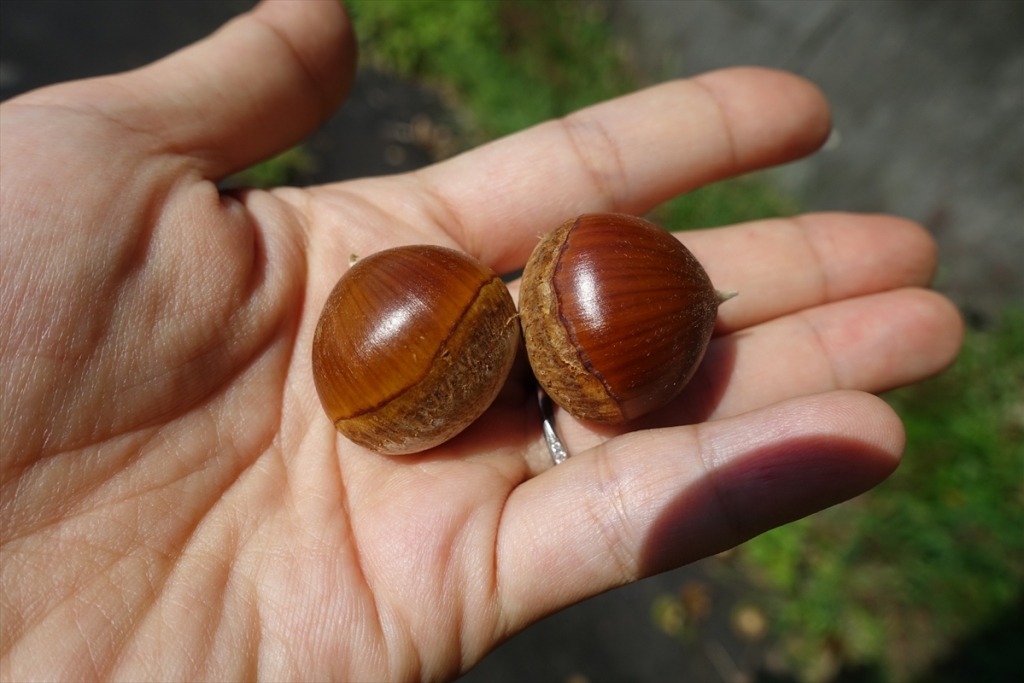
{"x":175,"y":504}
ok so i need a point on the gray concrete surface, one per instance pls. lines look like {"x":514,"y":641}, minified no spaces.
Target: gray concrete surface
{"x":928,"y":112}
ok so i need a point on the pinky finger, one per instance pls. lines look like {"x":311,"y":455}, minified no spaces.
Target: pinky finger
{"x":649,"y":501}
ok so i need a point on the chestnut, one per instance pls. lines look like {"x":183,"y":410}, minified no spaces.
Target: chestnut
{"x":616,"y":315}
{"x":413,"y":345}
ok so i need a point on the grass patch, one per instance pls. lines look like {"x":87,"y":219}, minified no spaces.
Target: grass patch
{"x":725,"y":203}
{"x":289,"y":167}
{"x":507,"y":64}
{"x":895,"y":578}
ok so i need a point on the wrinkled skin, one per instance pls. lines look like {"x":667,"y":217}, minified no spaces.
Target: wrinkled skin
{"x":175,"y":504}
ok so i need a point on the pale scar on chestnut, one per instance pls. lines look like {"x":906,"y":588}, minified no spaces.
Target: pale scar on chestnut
{"x":414,"y":343}
{"x":616,"y":316}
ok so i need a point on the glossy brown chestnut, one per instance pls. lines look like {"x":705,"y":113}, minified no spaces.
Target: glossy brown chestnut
{"x":413,"y":345}
{"x":616,"y":315}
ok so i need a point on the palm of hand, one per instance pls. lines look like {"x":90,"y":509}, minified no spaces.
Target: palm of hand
{"x":176,"y":505}
{"x":214,"y":447}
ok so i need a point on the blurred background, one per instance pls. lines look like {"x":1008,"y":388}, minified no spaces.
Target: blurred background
{"x":919,"y":580}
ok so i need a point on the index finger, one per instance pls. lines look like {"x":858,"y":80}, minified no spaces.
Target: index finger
{"x":625,"y":155}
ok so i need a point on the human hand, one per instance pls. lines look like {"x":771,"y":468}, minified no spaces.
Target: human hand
{"x":175,"y":504}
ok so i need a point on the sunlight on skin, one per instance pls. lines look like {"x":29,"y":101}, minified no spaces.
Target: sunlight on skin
{"x":175,"y":504}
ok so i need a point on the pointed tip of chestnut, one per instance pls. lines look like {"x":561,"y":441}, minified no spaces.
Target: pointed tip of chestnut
{"x":616,"y":314}
{"x":725,"y":296}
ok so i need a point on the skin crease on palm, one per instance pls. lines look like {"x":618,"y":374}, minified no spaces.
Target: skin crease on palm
{"x":175,"y":504}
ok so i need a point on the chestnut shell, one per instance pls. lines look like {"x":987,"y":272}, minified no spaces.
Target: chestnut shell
{"x":412,"y":346}
{"x":616,"y":315}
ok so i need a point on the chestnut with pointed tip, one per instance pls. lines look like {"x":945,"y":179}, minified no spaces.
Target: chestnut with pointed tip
{"x":616,"y":314}
{"x":412,"y":346}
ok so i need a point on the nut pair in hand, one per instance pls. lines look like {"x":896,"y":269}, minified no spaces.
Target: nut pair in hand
{"x":414,"y":343}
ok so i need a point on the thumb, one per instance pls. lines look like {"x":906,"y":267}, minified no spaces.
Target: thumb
{"x":260,"y":84}
{"x":257,"y":86}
